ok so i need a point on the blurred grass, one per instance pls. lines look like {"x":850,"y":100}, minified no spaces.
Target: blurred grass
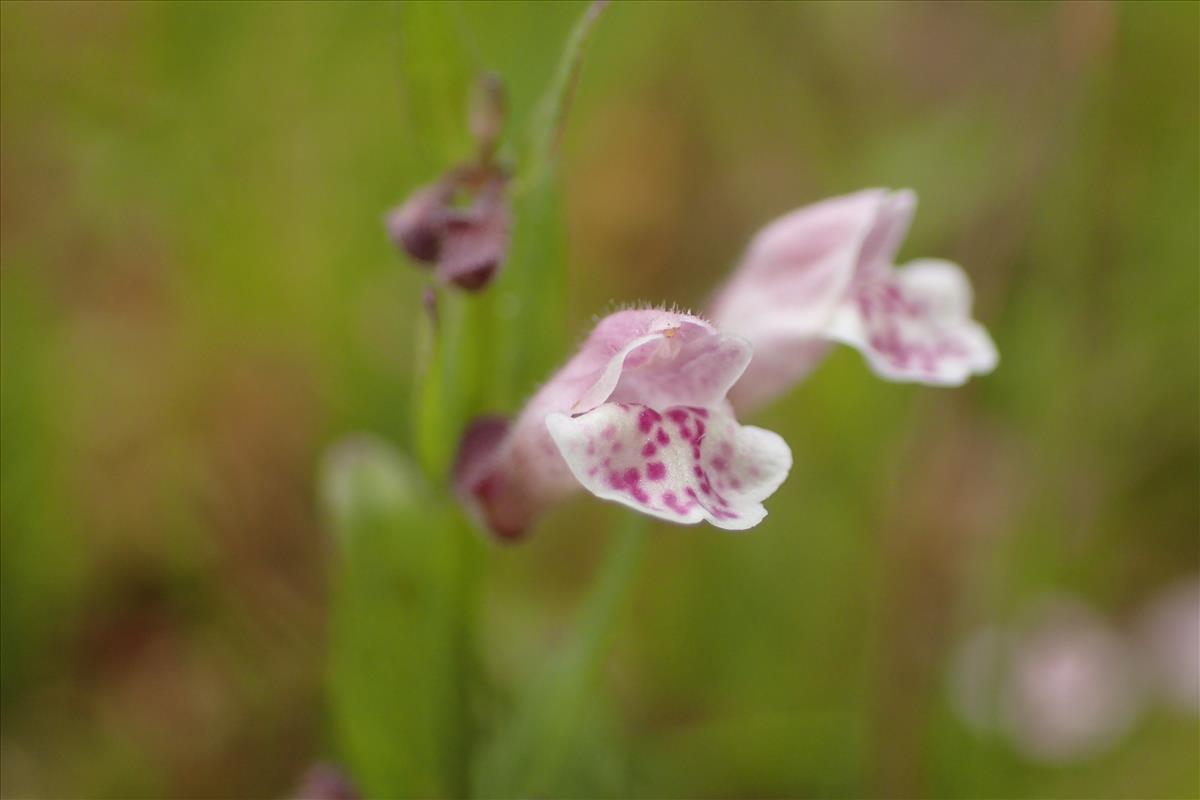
{"x":197,"y":297}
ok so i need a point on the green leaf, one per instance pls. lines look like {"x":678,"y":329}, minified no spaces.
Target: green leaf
{"x":436,"y":73}
{"x":395,"y":642}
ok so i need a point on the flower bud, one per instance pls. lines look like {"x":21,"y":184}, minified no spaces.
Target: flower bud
{"x":466,"y":246}
{"x":418,"y":225}
{"x":475,"y":240}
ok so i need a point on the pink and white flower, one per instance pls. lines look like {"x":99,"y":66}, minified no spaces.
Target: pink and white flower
{"x":825,"y":274}
{"x":639,"y":416}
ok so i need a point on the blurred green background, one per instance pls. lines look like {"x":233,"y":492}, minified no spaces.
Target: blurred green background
{"x":198,"y":299}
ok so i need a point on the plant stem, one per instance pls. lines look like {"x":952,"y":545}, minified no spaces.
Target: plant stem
{"x":534,"y":752}
{"x":464,"y":621}
{"x":552,"y":118}
{"x":601,"y":610}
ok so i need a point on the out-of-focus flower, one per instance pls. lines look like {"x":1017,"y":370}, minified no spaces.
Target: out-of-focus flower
{"x":638,"y":416}
{"x":325,"y":782}
{"x":465,"y":245}
{"x":1064,"y":689}
{"x":824,"y":274}
{"x":460,"y":223}
{"x":1170,"y":634}
{"x":1073,"y":689}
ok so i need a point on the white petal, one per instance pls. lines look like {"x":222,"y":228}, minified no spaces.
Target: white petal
{"x":914,"y":324}
{"x":685,"y":464}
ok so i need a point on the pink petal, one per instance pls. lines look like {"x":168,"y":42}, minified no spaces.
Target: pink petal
{"x":692,"y":365}
{"x":648,"y":356}
{"x":892,"y":221}
{"x":607,"y":377}
{"x":683,"y":464}
{"x":914,"y":324}
{"x":795,"y":274}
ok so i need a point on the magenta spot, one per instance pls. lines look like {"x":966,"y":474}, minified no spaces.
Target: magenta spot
{"x":609,"y":432}
{"x":695,"y":452}
{"x":614,"y":480}
{"x":735,"y":483}
{"x":647,"y":418}
{"x":699,"y":412}
{"x":691,"y":493}
{"x":698,"y":471}
{"x":672,"y":502}
{"x":720,"y":464}
{"x":699,"y":431}
{"x":866,"y":307}
{"x":616,"y":447}
{"x":632,"y":476}
{"x":677,"y":415}
{"x":656,"y":471}
{"x":685,"y":432}
{"x":640,"y":495}
{"x":662,"y":437}
{"x":649,"y":449}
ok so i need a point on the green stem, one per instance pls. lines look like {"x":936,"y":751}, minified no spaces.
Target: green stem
{"x":535,"y":751}
{"x":552,"y":119}
{"x":601,"y":610}
{"x":465,"y":604}
{"x":577,"y":668}
{"x":532,"y":297}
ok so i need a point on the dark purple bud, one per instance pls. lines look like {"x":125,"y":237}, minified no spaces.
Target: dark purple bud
{"x":418,"y":225}
{"x":466,"y":245}
{"x":475,"y":242}
{"x":480,"y":480}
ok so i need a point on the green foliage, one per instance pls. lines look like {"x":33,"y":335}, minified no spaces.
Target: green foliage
{"x":557,"y":739}
{"x":197,"y":299}
{"x":393,"y":677}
